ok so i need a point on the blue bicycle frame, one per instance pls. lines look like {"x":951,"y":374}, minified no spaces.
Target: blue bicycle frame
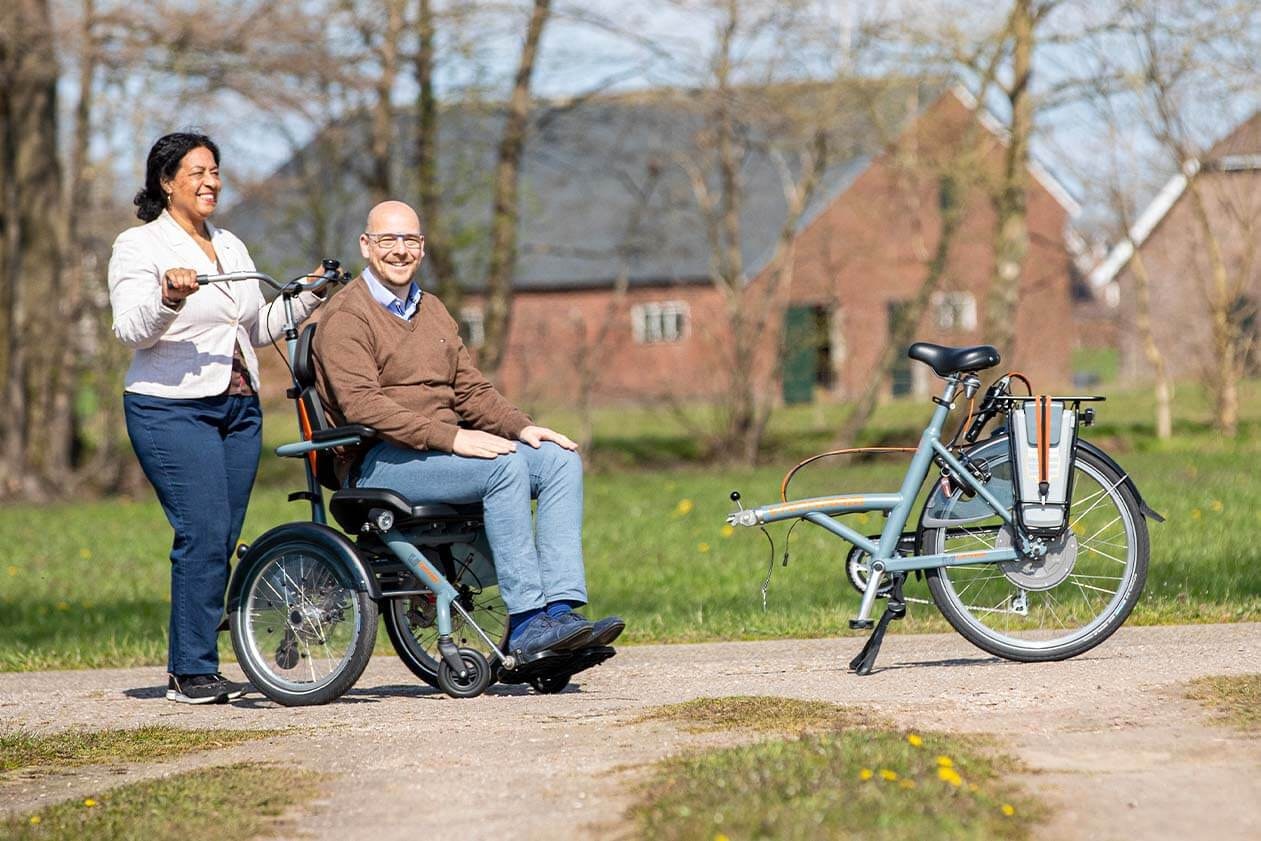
{"x":896,"y":506}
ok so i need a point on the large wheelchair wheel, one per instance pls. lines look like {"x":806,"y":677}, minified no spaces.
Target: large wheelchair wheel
{"x":1055,"y":607}
{"x":411,"y":624}
{"x":302,"y":633}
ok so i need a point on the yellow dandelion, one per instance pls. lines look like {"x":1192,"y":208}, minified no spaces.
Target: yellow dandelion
{"x":949,"y":775}
{"x":907,"y":784}
{"x":63,"y":605}
{"x":1008,"y":809}
{"x":721,"y":837}
{"x":865,"y":774}
{"x":888,"y":774}
{"x":728,"y":530}
{"x":85,"y":553}
{"x":13,"y":570}
{"x":862,"y":519}
{"x":1217,"y":506}
{"x":89,"y":802}
{"x":1196,"y":514}
{"x":684,"y":508}
{"x":914,"y":740}
{"x":35,"y":819}
{"x":973,"y":787}
{"x":944,"y":761}
{"x":702,"y":547}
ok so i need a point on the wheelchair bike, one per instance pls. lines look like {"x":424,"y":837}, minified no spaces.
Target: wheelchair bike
{"x":304,"y":598}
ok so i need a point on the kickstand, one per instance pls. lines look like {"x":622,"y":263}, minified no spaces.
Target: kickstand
{"x":896,"y":609}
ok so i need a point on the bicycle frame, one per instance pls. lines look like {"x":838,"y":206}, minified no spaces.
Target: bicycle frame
{"x":897,"y":508}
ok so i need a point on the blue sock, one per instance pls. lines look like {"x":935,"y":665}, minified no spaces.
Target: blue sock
{"x":517,"y":621}
{"x":560,"y":608}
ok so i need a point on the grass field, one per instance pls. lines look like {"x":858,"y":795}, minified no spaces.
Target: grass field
{"x":86,"y":585}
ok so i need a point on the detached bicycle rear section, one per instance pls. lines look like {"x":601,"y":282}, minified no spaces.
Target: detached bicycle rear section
{"x":1034,"y":542}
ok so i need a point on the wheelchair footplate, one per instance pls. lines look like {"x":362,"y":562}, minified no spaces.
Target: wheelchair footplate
{"x":550,"y":671}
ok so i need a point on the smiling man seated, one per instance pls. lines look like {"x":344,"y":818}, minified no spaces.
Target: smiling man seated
{"x":389,"y":356}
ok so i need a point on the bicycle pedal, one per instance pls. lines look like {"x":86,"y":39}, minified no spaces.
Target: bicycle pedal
{"x":861,"y":624}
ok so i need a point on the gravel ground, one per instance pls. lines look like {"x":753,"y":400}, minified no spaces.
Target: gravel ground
{"x":1108,"y":738}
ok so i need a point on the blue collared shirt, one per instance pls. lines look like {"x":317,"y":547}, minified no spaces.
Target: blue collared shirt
{"x":404,"y":309}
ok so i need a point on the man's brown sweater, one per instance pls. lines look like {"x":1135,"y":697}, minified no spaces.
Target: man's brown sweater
{"x":413,"y":381}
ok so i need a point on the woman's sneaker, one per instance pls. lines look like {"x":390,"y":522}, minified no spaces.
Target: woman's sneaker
{"x":202,"y":689}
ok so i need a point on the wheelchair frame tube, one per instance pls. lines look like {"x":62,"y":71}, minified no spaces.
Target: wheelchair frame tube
{"x":415,"y":560}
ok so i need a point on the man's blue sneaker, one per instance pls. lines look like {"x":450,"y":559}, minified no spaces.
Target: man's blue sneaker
{"x":603,"y":631}
{"x":543,"y":633}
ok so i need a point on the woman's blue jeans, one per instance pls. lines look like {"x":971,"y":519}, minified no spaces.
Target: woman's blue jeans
{"x":536,"y":565}
{"x":200,"y":455}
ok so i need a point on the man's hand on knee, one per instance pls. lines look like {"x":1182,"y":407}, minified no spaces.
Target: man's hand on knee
{"x":536,"y":435}
{"x":474,"y":443}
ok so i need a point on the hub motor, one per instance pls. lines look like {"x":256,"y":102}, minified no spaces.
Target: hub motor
{"x":1044,"y":573}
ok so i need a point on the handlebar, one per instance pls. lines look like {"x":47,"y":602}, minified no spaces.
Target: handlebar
{"x":332,"y":274}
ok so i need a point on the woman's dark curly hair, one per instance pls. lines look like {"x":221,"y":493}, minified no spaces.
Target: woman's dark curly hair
{"x":162,"y":164}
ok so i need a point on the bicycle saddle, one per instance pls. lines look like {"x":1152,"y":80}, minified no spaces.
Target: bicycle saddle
{"x":954,"y":360}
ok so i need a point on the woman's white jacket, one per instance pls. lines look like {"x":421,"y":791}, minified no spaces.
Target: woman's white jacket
{"x":187,"y":352}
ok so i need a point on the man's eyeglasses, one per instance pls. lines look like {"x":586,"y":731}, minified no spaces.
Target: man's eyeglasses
{"x":412,"y":242}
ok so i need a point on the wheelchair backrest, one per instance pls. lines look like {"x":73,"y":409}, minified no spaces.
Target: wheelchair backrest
{"x":311,"y":417}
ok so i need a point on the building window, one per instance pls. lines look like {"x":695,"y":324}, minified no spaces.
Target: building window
{"x":664,"y":321}
{"x":955,"y":310}
{"x":472,"y":328}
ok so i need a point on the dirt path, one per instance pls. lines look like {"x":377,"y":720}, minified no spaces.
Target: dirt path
{"x":1109,"y":739}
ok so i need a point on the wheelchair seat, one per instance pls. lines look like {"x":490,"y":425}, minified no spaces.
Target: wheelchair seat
{"x":954,"y":360}
{"x":350,"y":506}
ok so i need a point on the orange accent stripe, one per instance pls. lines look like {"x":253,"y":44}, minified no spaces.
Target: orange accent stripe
{"x":305,"y":423}
{"x":816,"y":503}
{"x":1044,"y":437}
{"x":971,"y":554}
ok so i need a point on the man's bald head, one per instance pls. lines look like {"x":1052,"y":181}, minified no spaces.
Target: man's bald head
{"x":393,"y":217}
{"x":393,"y":245}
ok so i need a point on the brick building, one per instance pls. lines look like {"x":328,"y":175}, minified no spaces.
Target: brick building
{"x":613,"y":284}
{"x":1175,"y":253}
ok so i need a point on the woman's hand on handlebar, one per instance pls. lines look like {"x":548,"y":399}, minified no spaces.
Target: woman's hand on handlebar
{"x":178,"y":284}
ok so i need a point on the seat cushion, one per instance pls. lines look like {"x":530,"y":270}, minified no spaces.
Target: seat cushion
{"x":350,"y":507}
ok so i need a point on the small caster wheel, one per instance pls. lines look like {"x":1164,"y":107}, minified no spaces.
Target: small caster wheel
{"x":474,"y":682}
{"x":550,"y":685}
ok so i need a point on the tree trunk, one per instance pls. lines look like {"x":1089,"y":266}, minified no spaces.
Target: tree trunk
{"x":439,"y":248}
{"x":380,"y":182}
{"x":865,"y":407}
{"x":69,"y":341}
{"x":1224,"y":378}
{"x":1011,"y":240}
{"x":1163,"y":386}
{"x":32,"y":218}
{"x":503,"y":246}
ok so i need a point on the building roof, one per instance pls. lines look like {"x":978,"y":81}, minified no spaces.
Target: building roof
{"x":1238,"y":151}
{"x":605,"y":185}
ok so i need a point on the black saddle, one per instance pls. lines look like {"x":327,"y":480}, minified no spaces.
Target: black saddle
{"x":954,"y":360}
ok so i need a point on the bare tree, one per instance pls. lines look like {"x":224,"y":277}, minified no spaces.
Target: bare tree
{"x":505,"y":212}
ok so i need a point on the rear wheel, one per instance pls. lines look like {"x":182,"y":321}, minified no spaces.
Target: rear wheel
{"x":302,"y":633}
{"x":411,"y":624}
{"x":1063,"y":604}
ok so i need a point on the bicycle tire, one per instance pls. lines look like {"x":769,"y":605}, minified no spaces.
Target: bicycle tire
{"x":1024,"y":640}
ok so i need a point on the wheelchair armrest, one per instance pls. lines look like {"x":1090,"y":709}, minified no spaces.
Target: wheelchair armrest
{"x":366,"y":433}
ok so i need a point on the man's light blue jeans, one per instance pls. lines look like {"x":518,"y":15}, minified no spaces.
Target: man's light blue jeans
{"x":535,"y":565}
